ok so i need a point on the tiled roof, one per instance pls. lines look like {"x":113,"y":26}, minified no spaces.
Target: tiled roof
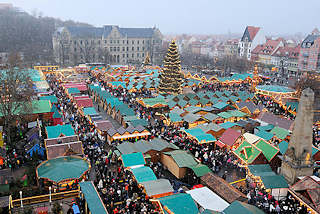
{"x":99,"y":32}
{"x":229,"y":137}
{"x":222,"y":188}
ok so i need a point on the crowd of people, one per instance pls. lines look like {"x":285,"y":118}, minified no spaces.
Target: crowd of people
{"x":116,"y":186}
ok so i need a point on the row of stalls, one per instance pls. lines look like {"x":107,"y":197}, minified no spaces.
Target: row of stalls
{"x":132,"y":126}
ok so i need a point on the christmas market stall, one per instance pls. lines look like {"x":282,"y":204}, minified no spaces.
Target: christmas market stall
{"x":157,"y":188}
{"x":222,"y":188}
{"x":207,"y":199}
{"x":229,"y":138}
{"x":128,"y":133}
{"x":238,"y":207}
{"x":307,"y":190}
{"x":264,"y":177}
{"x":93,"y":201}
{"x":276,"y":92}
{"x":177,"y":203}
{"x":180,"y":164}
{"x":54,"y":171}
{"x":133,"y":160}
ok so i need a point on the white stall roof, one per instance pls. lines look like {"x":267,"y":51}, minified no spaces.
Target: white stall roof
{"x":208,"y":199}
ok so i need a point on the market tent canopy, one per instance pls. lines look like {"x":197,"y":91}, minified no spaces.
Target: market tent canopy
{"x":143,"y":174}
{"x":265,"y":135}
{"x":63,"y":168}
{"x":238,"y":207}
{"x":179,"y":204}
{"x":205,"y":138}
{"x":229,"y":137}
{"x":208,"y":199}
{"x":157,"y":187}
{"x":59,"y":130}
{"x":95,"y":204}
{"x":133,"y":159}
{"x":251,"y":138}
{"x":36,"y":107}
{"x":280,"y":133}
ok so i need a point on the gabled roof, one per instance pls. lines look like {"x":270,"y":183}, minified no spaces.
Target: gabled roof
{"x":182,"y":158}
{"x":238,"y":207}
{"x":133,"y":159}
{"x":229,"y":137}
{"x":265,"y":135}
{"x":58,"y":130}
{"x":180,"y":203}
{"x":280,"y":132}
{"x":270,"y":118}
{"x":247,"y":152}
{"x":268,"y":150}
{"x":143,"y":174}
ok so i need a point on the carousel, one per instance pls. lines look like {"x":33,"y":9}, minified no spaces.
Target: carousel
{"x":278,"y":93}
{"x":62,"y":172}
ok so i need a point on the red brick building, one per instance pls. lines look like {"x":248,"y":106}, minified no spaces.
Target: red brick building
{"x":309,"y":57}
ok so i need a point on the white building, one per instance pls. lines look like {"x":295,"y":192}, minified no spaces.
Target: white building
{"x":252,"y":37}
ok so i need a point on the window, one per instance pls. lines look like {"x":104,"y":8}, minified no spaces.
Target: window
{"x":118,"y":48}
{"x":75,"y":42}
{"x":127,"y":55}
{"x":132,"y":42}
{"x":138,"y":42}
{"x":132,"y":55}
{"x":110,"y":41}
{"x":137,"y":48}
{"x":127,"y":42}
{"x":127,"y":48}
{"x":111,"y":49}
{"x":123,"y":48}
{"x":118,"y":41}
{"x":138,"y":55}
{"x":81,"y":42}
{"x":122,"y":41}
{"x":99,"y":42}
{"x":132,"y":48}
{"x":143,"y":48}
{"x":142,"y":54}
{"x":105,"y":41}
{"x":123,"y":55}
{"x":114,"y":49}
{"x":142,"y":41}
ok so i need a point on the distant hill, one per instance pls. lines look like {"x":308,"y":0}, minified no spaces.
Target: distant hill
{"x":22,"y":32}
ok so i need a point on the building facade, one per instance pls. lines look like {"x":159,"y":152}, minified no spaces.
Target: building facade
{"x":309,"y":57}
{"x":108,"y":44}
{"x":251,"y":38}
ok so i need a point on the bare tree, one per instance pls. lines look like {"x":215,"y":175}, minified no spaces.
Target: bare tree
{"x":16,"y":94}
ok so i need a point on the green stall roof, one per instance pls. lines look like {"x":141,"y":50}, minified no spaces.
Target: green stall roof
{"x":274,"y":181}
{"x":265,"y":135}
{"x":280,"y":133}
{"x":133,"y":159}
{"x":180,"y":203}
{"x":205,"y":138}
{"x":247,"y":152}
{"x":266,"y":128}
{"x":89,"y":111}
{"x":220,"y":105}
{"x":60,"y":130}
{"x":73,"y":91}
{"x":200,"y":170}
{"x":52,"y":98}
{"x":227,"y":125}
{"x":92,"y":197}
{"x":63,"y":168}
{"x":182,"y":158}
{"x":267,"y":149}
{"x":238,"y":207}
{"x":143,"y":174}
{"x":261,"y":170}
{"x":174,"y":117}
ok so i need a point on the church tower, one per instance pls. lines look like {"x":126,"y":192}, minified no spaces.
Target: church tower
{"x":297,"y":161}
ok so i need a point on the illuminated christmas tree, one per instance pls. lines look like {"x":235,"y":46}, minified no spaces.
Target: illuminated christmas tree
{"x":171,"y":77}
{"x":147,"y":60}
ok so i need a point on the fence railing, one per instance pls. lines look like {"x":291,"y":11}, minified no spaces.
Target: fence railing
{"x":45,"y":198}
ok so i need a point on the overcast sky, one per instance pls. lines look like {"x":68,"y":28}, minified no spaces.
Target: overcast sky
{"x":186,"y":16}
